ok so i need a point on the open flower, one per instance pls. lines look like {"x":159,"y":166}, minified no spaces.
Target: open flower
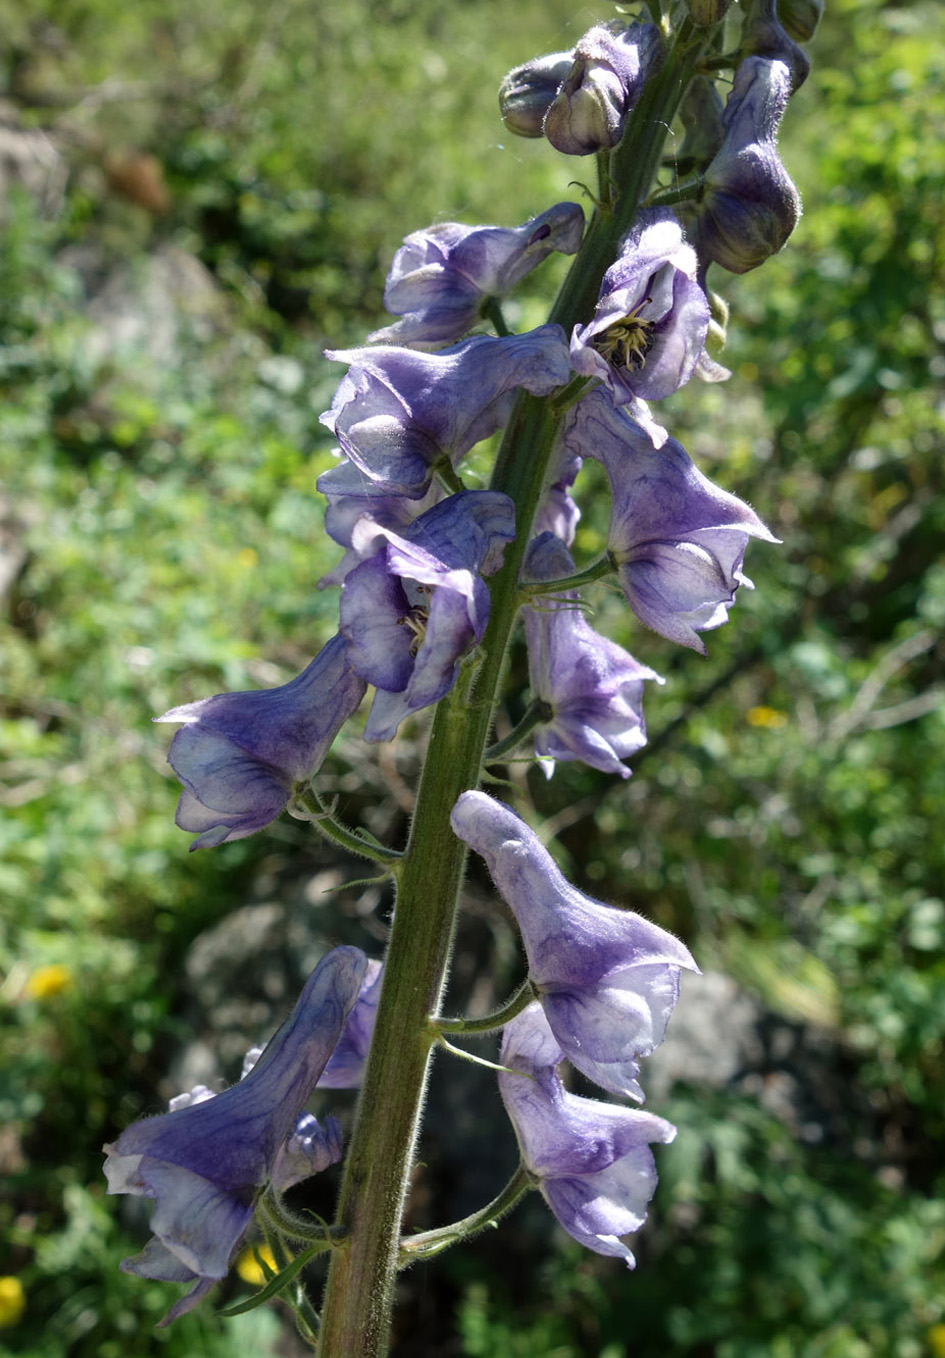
{"x":398,"y":413}
{"x":240,"y":756}
{"x":677,"y":540}
{"x":593,"y":688}
{"x":648,"y":331}
{"x":206,"y":1162}
{"x":592,"y":1161}
{"x":442,"y":278}
{"x":419,"y":600}
{"x":607,"y":979}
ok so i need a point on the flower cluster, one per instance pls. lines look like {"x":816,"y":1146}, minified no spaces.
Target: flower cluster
{"x":606,"y":981}
{"x":436,"y":566}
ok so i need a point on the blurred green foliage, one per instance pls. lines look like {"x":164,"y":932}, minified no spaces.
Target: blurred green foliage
{"x":787,"y":816}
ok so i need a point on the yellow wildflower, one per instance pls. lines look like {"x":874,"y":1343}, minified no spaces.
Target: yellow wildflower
{"x":249,"y":1267}
{"x":12,"y":1301}
{"x":47,"y":981}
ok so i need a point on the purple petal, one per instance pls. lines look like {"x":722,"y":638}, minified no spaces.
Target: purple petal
{"x":607,"y":978}
{"x":442,"y":277}
{"x":346,"y":1067}
{"x":592,"y":1160}
{"x":678,"y":540}
{"x":240,"y":755}
{"x":205,"y":1163}
{"x":652,"y":316}
{"x":593,"y":687}
{"x":399,"y":411}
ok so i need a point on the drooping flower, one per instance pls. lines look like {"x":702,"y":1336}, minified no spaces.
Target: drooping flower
{"x":749,"y":204}
{"x":345,"y":1070}
{"x":443,"y":277}
{"x":604,"y":83}
{"x":398,"y":412}
{"x":418,"y":601}
{"x":649,"y":328}
{"x":607,"y":979}
{"x":592,"y":1161}
{"x":593,"y":688}
{"x":240,"y":756}
{"x":206,"y":1162}
{"x":677,"y":540}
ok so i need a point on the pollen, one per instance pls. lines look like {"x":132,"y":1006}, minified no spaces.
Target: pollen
{"x":627,"y":342}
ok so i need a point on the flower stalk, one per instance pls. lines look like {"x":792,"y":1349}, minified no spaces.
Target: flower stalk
{"x":357,"y":1305}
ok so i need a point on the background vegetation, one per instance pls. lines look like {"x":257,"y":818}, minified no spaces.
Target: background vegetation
{"x":229,"y":183}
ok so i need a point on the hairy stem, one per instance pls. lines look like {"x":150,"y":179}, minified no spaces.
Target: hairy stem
{"x":359,"y":1295}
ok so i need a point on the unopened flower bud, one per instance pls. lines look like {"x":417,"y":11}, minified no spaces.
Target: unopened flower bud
{"x":527,"y":92}
{"x":763,"y":35}
{"x":707,"y":12}
{"x":749,"y":205}
{"x":602,"y":86}
{"x":800,"y":17}
{"x":718,"y":320}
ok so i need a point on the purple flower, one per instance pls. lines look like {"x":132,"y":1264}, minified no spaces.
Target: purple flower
{"x":345,"y":1070}
{"x":749,"y":205}
{"x":240,"y":756}
{"x":652,"y":316}
{"x":398,"y":413}
{"x":592,"y":686}
{"x":418,"y":602}
{"x":442,"y":278}
{"x":607,"y":979}
{"x":591,"y":1160}
{"x":677,"y":540}
{"x":206,"y":1162}
{"x":350,"y":496}
{"x":604,"y":83}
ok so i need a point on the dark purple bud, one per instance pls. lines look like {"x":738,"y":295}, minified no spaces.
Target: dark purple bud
{"x":602,"y":87}
{"x":650,"y":324}
{"x":591,"y":1160}
{"x":749,"y":205}
{"x":206,"y":1162}
{"x":241,"y":756}
{"x":527,"y":93}
{"x":441,"y":278}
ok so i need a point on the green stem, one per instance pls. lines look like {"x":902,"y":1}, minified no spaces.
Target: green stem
{"x":428,"y":1243}
{"x":578,"y":580}
{"x":490,"y":1022}
{"x":359,"y":1294}
{"x":493,"y":312}
{"x":537,"y":712}
{"x":325,"y":821}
